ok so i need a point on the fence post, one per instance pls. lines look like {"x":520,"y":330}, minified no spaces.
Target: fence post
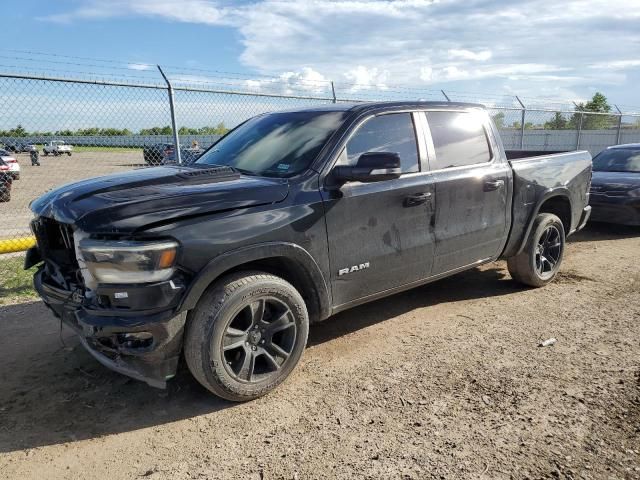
{"x":579,"y":131}
{"x":174,"y":124}
{"x":524,"y":112}
{"x":619,"y":125}
{"x":445,"y":96}
{"x":333,"y":91}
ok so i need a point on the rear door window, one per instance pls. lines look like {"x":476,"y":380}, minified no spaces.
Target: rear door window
{"x":459,"y":139}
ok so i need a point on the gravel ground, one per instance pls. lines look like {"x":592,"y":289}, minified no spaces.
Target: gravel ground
{"x":53,"y":172}
{"x":444,"y":381}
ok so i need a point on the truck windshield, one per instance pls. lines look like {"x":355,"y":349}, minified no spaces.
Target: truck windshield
{"x":277,"y":144}
{"x":617,"y":160}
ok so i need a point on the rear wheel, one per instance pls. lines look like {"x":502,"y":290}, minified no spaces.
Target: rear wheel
{"x":539,"y":261}
{"x":246,"y":335}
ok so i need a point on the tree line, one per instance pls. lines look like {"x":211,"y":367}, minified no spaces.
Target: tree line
{"x":20,"y":131}
{"x":597,"y":104}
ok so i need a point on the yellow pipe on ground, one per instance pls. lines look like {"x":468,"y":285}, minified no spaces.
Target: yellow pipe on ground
{"x":16,"y":244}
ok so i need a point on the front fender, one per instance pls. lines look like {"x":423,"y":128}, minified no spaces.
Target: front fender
{"x":234,"y":258}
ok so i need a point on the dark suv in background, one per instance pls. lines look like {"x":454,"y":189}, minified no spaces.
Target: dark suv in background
{"x":615,"y":187}
{"x":165,"y":153}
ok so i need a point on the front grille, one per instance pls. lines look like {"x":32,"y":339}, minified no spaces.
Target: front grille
{"x":52,"y":235}
{"x":57,"y":249}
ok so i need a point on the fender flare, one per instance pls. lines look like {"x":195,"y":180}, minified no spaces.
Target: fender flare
{"x":546,"y":195}
{"x":228,"y":260}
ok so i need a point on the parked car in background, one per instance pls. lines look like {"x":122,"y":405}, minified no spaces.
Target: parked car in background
{"x":18,"y":147}
{"x":12,"y":162}
{"x":57,"y":147}
{"x":6,"y":180}
{"x":165,"y":154}
{"x":188,"y":156}
{"x":290,"y":218}
{"x":156,"y":153}
{"x":27,"y":147}
{"x":615,"y":187}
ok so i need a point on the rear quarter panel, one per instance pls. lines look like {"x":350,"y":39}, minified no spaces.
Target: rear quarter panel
{"x":537,"y":179}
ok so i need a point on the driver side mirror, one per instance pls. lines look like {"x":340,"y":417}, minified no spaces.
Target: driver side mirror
{"x":371,"y":167}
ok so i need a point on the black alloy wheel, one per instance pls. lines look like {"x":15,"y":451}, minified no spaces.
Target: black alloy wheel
{"x":548,"y":251}
{"x":259,"y":340}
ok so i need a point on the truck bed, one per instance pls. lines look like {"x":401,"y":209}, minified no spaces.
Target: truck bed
{"x":539,"y":176}
{"x":518,"y":154}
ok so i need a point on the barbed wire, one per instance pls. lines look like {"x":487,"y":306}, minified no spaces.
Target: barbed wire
{"x":264,"y":82}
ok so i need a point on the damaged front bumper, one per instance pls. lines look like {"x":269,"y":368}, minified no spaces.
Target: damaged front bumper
{"x":142,"y":344}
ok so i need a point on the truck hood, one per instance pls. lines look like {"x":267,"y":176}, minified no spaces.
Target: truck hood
{"x":129,"y":201}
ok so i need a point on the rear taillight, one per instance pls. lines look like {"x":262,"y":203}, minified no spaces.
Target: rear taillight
{"x":4,"y":167}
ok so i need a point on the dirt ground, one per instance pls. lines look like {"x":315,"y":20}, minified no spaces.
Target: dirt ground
{"x":444,"y":381}
{"x":54,"y":172}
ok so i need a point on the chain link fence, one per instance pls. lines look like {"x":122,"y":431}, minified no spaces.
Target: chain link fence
{"x":83,"y":128}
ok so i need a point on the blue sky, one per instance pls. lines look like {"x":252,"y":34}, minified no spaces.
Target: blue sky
{"x":533,"y":48}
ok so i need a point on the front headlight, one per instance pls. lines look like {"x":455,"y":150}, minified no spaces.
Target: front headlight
{"x":129,"y":261}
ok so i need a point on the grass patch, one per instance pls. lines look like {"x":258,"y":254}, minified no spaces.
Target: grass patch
{"x":16,"y":284}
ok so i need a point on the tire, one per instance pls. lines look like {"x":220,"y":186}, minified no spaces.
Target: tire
{"x":45,"y":153}
{"x":16,"y":176}
{"x":253,"y":361}
{"x":540,"y":260}
{"x":69,"y":153}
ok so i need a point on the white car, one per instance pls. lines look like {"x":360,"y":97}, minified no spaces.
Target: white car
{"x":12,"y":162}
{"x":57,"y":147}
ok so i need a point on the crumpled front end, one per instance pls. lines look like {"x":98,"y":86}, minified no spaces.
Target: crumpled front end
{"x":134,"y":329}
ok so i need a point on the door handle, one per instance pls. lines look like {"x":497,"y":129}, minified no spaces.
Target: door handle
{"x":491,"y":185}
{"x":417,"y":199}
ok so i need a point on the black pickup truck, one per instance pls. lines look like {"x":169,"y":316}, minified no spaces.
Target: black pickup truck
{"x":292,"y":217}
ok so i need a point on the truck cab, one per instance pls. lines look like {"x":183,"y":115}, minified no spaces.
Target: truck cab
{"x":289,"y":218}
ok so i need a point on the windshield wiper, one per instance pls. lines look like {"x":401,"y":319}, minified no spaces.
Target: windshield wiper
{"x":235,"y":169}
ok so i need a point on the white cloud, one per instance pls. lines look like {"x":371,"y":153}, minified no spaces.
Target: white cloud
{"x":305,"y":82}
{"x":454,"y":73}
{"x":363,"y":78}
{"x":139,"y":66}
{"x":616,"y":65}
{"x":376,"y":44}
{"x":426,"y":74}
{"x":192,"y":11}
{"x":464,"y":54}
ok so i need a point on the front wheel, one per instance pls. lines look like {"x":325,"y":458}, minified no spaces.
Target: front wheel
{"x":539,"y":261}
{"x":246,"y":335}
